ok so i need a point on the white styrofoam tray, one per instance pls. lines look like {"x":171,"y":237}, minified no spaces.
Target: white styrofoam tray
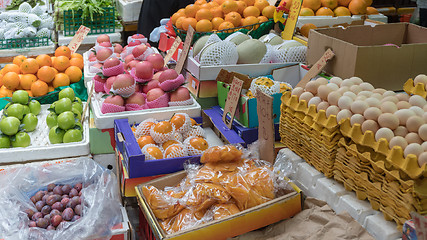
{"x":129,"y":9}
{"x":41,"y":148}
{"x":86,"y":73}
{"x":90,"y":39}
{"x":106,"y":121}
{"x":33,"y":51}
{"x":322,"y":21}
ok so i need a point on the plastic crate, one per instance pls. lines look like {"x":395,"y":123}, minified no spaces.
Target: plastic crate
{"x":104,"y":23}
{"x":24,"y":42}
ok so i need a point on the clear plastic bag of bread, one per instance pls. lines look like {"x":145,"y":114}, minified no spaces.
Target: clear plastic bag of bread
{"x":229,"y":180}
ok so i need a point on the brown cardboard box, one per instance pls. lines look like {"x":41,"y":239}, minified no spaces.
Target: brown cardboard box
{"x":360,"y":51}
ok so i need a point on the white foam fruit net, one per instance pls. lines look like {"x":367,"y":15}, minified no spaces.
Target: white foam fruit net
{"x":270,"y":90}
{"x":160,"y":138}
{"x":231,"y":36}
{"x":289,"y":51}
{"x":145,"y":152}
{"x":219,"y":53}
{"x":184,"y":127}
{"x":175,"y":152}
{"x":213,"y":38}
{"x":190,"y":149}
{"x":144,"y":127}
{"x":266,"y":38}
{"x":269,"y":54}
{"x":195,"y":131}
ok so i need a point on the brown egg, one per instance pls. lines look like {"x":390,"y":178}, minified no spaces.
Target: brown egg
{"x":403,"y":105}
{"x":422,"y":159}
{"x":398,"y":141}
{"x":402,"y":97}
{"x":373,"y":102}
{"x":390,"y":99}
{"x":315,"y":101}
{"x":388,"y":120}
{"x":416,"y":100}
{"x":413,"y":138}
{"x":413,"y":123}
{"x":422,"y":132}
{"x":312,"y":87}
{"x":356,"y":89}
{"x":359,"y":106}
{"x":345,"y":102}
{"x":425,"y":108}
{"x":384,"y":133}
{"x":332,"y":110}
{"x":413,"y":148}
{"x":370,"y":125}
{"x":356,"y":80}
{"x":379,"y":90}
{"x":350,"y":94}
{"x":388,"y":107}
{"x":322,"y":81}
{"x":336,"y":80}
{"x":297,"y":91}
{"x":401,"y":131}
{"x":357,"y":118}
{"x":403,"y":115}
{"x":372,"y":113}
{"x":333,"y":98}
{"x":323,"y":92}
{"x":424,"y":145}
{"x":306,"y":96}
{"x":343,"y":114}
{"x":322,"y":106}
{"x":366,"y":86}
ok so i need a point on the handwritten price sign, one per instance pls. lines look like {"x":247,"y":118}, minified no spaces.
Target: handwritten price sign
{"x":78,"y":38}
{"x":232,"y":101}
{"x":291,"y":22}
{"x":185,"y":48}
{"x":172,"y":50}
{"x":317,"y":68}
{"x":266,"y":127}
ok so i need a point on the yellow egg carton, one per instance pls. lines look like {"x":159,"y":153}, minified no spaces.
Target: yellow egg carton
{"x":418,"y":89}
{"x":409,"y":165}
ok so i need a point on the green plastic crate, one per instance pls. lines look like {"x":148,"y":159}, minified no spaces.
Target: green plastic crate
{"x":104,"y":23}
{"x":24,"y":42}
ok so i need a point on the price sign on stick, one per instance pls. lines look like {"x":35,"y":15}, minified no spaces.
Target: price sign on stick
{"x":265,"y":127}
{"x":316,"y":68}
{"x":185,"y":48}
{"x":420,"y":223}
{"x":172,"y":50}
{"x":232,"y":101}
{"x":78,"y":38}
{"x":292,"y":19}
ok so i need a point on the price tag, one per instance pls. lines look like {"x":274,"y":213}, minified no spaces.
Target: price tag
{"x":316,"y":68}
{"x":420,"y":223}
{"x":272,"y":2}
{"x":185,"y":49}
{"x":172,"y":50}
{"x":265,"y":126}
{"x":291,"y":22}
{"x":78,"y":38}
{"x":232,"y":101}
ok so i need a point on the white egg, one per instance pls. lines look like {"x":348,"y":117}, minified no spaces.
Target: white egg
{"x":312,"y":87}
{"x":361,"y":98}
{"x":359,"y":106}
{"x":388,"y":107}
{"x":373,"y":102}
{"x":333,"y":86}
{"x":345,"y":102}
{"x":350,"y":94}
{"x":365,"y":93}
{"x":389,"y":93}
{"x":422,"y":159}
{"x":322,"y":106}
{"x":366,"y":86}
{"x":306,"y":96}
{"x":343,"y":114}
{"x":422,"y":132}
{"x":332,"y":110}
{"x":347,"y":83}
{"x":333,"y":98}
{"x":413,"y":138}
{"x":425,"y":117}
{"x":424,"y":145}
{"x":401,"y":131}
{"x":403,"y":115}
{"x":421,"y":78}
{"x":402,"y":96}
{"x":322,"y":81}
{"x":323,"y":92}
{"x":372,"y":113}
{"x":403,"y":105}
{"x":315,"y":101}
{"x":390,"y":99}
{"x":336,"y":80}
{"x":377,"y":96}
{"x":356,"y":80}
{"x":356,"y":89}
{"x":343,"y":90}
{"x":416,"y":100}
{"x":413,"y":148}
{"x":388,"y":120}
{"x":379,"y":90}
{"x":370,"y":125}
{"x":417,"y":110}
{"x":398,"y":141}
{"x":384,"y":133}
{"x":297,"y":91}
{"x":413,"y":123}
{"x":357,"y":118}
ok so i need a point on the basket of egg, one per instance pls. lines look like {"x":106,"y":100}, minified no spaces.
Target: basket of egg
{"x":382,"y":153}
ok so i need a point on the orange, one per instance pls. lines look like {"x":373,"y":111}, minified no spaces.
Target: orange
{"x":305,"y":29}
{"x":251,"y":11}
{"x":234,"y":18}
{"x":332,"y":4}
{"x":371,"y":11}
{"x":11,"y":67}
{"x":1,"y":80}
{"x":61,"y":63}
{"x":200,"y":2}
{"x":77,"y":62}
{"x":163,"y":127}
{"x":268,"y":11}
{"x":324,"y":11}
{"x":205,"y":6}
{"x":241,"y":6}
{"x":63,"y":51}
{"x":39,"y":88}
{"x":179,"y":22}
{"x":368,"y":3}
{"x":144,"y":140}
{"x":313,"y":4}
{"x":76,"y":55}
{"x":341,"y":11}
{"x":168,"y":143}
{"x":172,"y":149}
{"x":204,"y":25}
{"x":229,"y":6}
{"x":175,"y":17}
{"x":60,"y":80}
{"x":4,"y":92}
{"x":261,"y":4}
{"x":213,"y":4}
{"x":11,"y":80}
{"x":249,"y":2}
{"x":217,"y":12}
{"x":29,"y":65}
{"x":191,"y":10}
{"x":155,"y":152}
{"x":181,"y":11}
{"x":27,"y":80}
{"x":357,"y":7}
{"x":262,"y":19}
{"x":187,"y":22}
{"x":250,"y":21}
{"x":193,"y":122}
{"x":306,"y":12}
{"x":74,"y":73}
{"x":219,"y":2}
{"x":204,"y":14}
{"x":19,"y":59}
{"x":30,"y":93}
{"x":44,"y":60}
{"x":50,"y":88}
{"x":343,"y":3}
{"x":46,"y":74}
{"x":226,"y":25}
{"x":199,"y":143}
{"x":286,"y":3}
{"x":216,"y":22}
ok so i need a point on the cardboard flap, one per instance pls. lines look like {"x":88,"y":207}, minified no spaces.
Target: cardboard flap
{"x":416,"y":34}
{"x":228,"y":76}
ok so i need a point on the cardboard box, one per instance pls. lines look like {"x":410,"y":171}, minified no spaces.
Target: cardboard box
{"x":213,"y":119}
{"x":122,"y":231}
{"x":166,"y":42}
{"x":260,"y":216}
{"x":206,"y":103}
{"x":102,"y":141}
{"x":201,"y":89}
{"x":129,"y":9}
{"x":361,"y":51}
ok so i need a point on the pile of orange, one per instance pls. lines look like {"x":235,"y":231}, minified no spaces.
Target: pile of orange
{"x":222,"y":14}
{"x":41,"y":75}
{"x":335,"y":8}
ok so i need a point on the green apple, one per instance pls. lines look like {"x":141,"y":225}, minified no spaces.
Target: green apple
{"x":73,"y":135}
{"x":9,"y":125}
{"x":21,"y":139}
{"x":26,"y":109}
{"x":63,"y":105}
{"x":66,"y":120}
{"x":15,"y":110}
{"x":78,"y":100}
{"x":67,"y":93}
{"x":79,"y":126}
{"x":56,"y":135}
{"x":35,"y":107}
{"x":30,"y":122}
{"x":78,"y":107}
{"x":20,"y":96}
{"x":51,"y":120}
{"x":4,"y":141}
{"x":77,"y":114}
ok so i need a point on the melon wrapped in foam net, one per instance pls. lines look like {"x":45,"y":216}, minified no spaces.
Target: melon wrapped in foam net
{"x":213,"y":38}
{"x":218,"y":53}
{"x":144,"y":127}
{"x":289,"y":51}
{"x":266,"y":85}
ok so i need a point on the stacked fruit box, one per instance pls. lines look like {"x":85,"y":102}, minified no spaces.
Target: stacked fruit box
{"x":393,"y":184}
{"x":309,"y":133}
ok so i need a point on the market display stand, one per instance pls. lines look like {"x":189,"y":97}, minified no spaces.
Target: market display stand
{"x":89,"y":40}
{"x":7,"y":55}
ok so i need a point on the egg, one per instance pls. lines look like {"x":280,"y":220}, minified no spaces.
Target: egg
{"x":312,"y":87}
{"x":333,"y":86}
{"x":417,"y":110}
{"x":343,"y":114}
{"x":361,"y":98}
{"x":322,"y":81}
{"x":421,"y":78}
{"x":403,"y":115}
{"x":402,"y":96}
{"x":384,"y":133}
{"x":401,"y":131}
{"x":357,"y":118}
{"x":323,"y":92}
{"x":306,"y":96}
{"x":422,"y":132}
{"x":403,"y":105}
{"x":413,"y":138}
{"x":336,"y":80}
{"x":332,"y":110}
{"x":359,"y":106}
{"x":345,"y":102}
{"x":343,"y":90}
{"x":322,"y":106}
{"x":372,"y":113}
{"x":364,"y":93}
{"x":388,"y":120}
{"x":297,"y":91}
{"x":333,"y":98}
{"x":356,"y":80}
{"x":389,"y":93}
{"x":370,"y":125}
{"x":390,"y":99}
{"x":398,"y":141}
{"x":373,"y":102}
{"x":414,"y":123}
{"x":377,"y":96}
{"x":425,"y":108}
{"x":413,"y":148}
{"x":315,"y":101}
{"x":422,"y":159}
{"x":424,"y":145}
{"x":350,"y":94}
{"x":425,"y":117}
{"x":347,"y":83}
{"x":366,"y":86}
{"x":388,"y":107}
{"x":416,"y":100}
{"x":379,"y":90}
{"x":356,"y":89}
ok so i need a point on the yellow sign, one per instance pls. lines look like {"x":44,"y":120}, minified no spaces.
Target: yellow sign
{"x":292,"y":19}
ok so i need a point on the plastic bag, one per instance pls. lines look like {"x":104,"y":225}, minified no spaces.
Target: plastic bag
{"x":101,"y":207}
{"x":155,"y":34}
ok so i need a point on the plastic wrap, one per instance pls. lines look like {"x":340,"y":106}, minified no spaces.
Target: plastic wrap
{"x":101,"y":209}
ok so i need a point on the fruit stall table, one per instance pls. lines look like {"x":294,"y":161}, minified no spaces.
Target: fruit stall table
{"x":7,"y":55}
